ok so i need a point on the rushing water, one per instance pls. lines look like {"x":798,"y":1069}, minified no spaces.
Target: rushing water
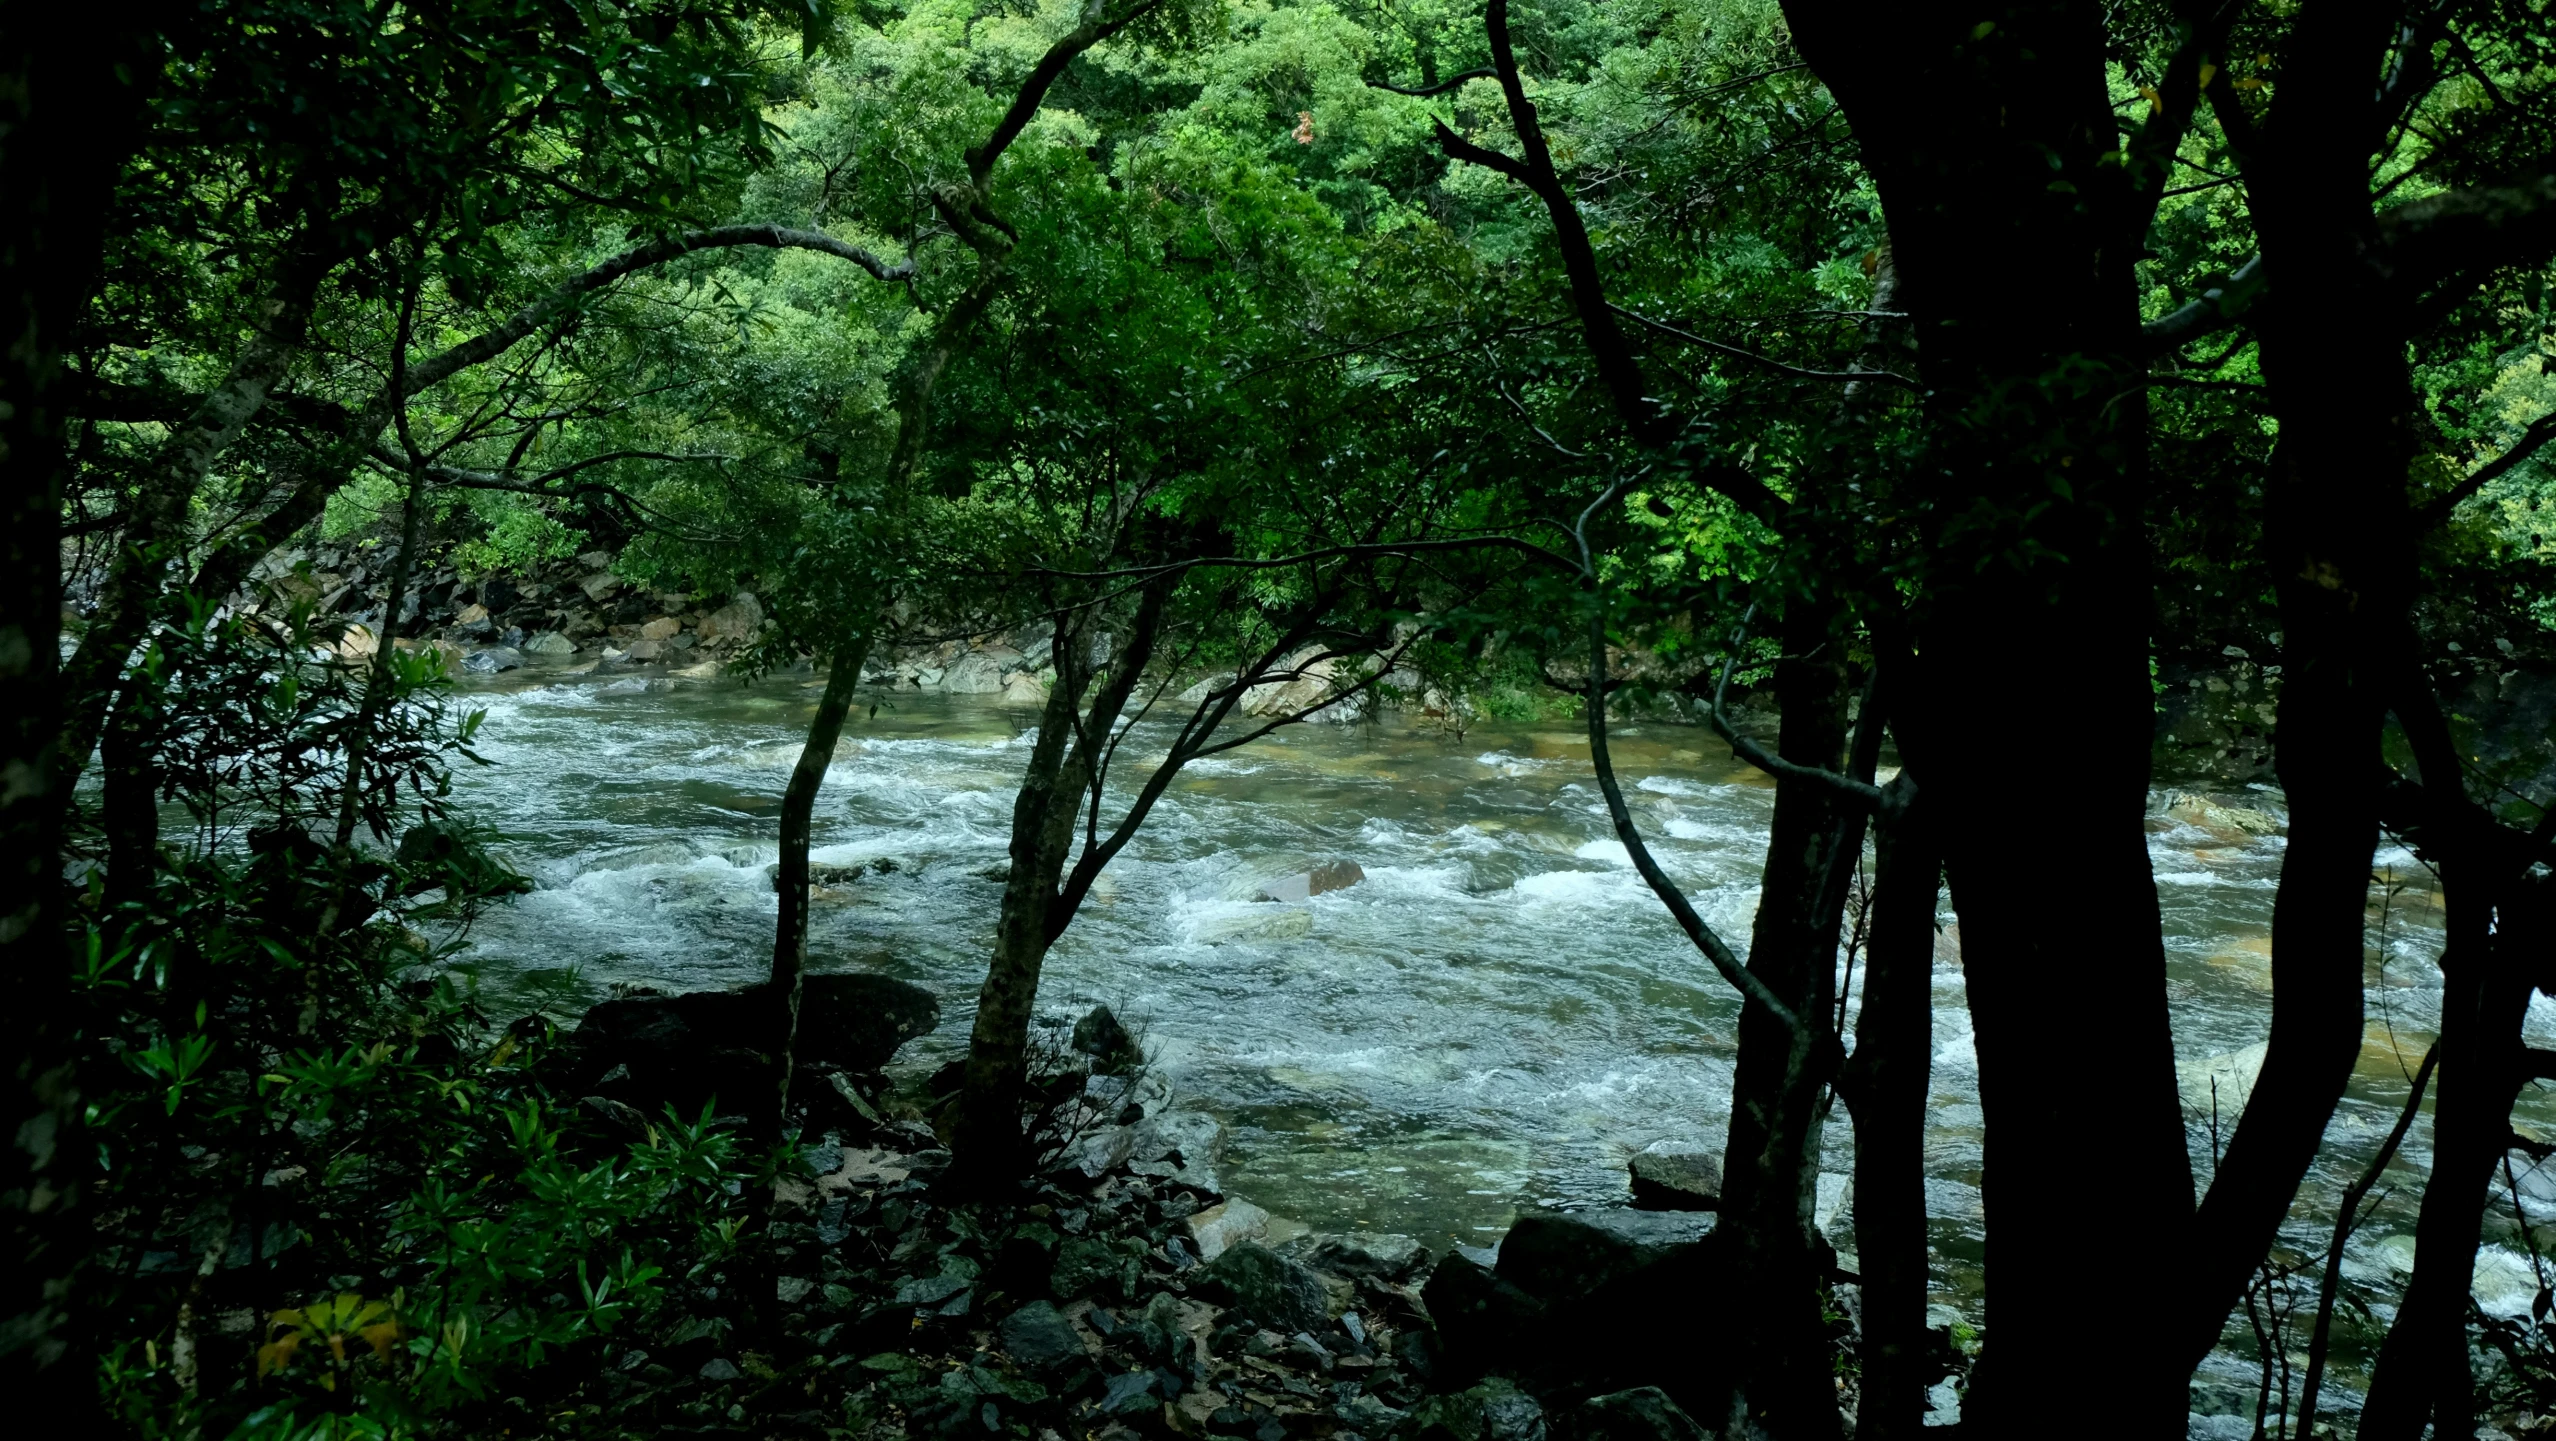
{"x":1496,"y":1017}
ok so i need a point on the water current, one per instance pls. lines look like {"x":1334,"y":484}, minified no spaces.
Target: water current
{"x":1496,"y":1017}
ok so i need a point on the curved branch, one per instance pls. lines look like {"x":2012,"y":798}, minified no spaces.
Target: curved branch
{"x":2540,"y":431}
{"x":1452,"y":82}
{"x":1864,"y":793}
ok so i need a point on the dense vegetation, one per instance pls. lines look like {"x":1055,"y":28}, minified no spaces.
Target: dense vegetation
{"x":1970,"y":381}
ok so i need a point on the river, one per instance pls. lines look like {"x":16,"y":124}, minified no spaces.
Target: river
{"x":1494,"y":1018}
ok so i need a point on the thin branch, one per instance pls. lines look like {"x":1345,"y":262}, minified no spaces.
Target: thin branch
{"x":1863,"y":792}
{"x":1768,"y":361}
{"x":2539,"y":433}
{"x":1452,"y":82}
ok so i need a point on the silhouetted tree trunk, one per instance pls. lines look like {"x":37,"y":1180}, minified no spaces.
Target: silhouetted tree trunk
{"x":2015,"y":227}
{"x":798,"y":813}
{"x":72,"y":100}
{"x":1885,"y":1087}
{"x":1771,"y":1158}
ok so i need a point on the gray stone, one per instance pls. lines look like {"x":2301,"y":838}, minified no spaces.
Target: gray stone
{"x":492,"y":660}
{"x":1643,"y":1414}
{"x":550,"y":642}
{"x":1305,"y":885}
{"x":791,"y":1290}
{"x":1100,"y":1036}
{"x":1384,"y":1257}
{"x":1564,"y":1255}
{"x":1085,"y":1264}
{"x":1496,"y":1410}
{"x":719,"y":1368}
{"x":1267,"y":1287}
{"x":1219,"y":1228}
{"x":1679,"y":1180}
{"x":1038,"y":1335}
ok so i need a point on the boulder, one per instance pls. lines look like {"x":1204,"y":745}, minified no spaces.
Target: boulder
{"x":1039,"y":1336}
{"x":550,"y":642}
{"x":664,"y":627}
{"x":1558,"y":1256}
{"x":1220,"y":1228}
{"x":1301,"y":682}
{"x":645,"y":648}
{"x":600,"y":586}
{"x":1644,"y":1413}
{"x":739,"y":619}
{"x":1111,"y":1046}
{"x":684,"y":1050}
{"x":2220,"y":1083}
{"x":1359,"y":1254}
{"x":1676,"y":1180}
{"x":492,"y":660}
{"x":1495,"y":1410}
{"x":1270,"y":1289}
{"x":1305,"y":885}
{"x":975,"y":674}
{"x":1484,"y":1323}
{"x":1198,"y":693}
{"x":1180,"y":1147}
{"x":1024,"y":689}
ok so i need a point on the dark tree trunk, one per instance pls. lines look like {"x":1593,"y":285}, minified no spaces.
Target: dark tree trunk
{"x":798,"y":812}
{"x":2015,"y":232}
{"x":1887,"y":1079}
{"x":72,"y":102}
{"x":1771,"y":1158}
{"x":129,"y":809}
{"x":2338,"y":544}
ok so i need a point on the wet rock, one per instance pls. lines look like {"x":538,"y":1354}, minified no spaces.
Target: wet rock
{"x":1302,"y":682}
{"x":1085,"y":1264}
{"x":1198,"y":693}
{"x":1258,"y":923}
{"x":1180,"y":1147}
{"x":1023,"y":689}
{"x":1565,"y":1255}
{"x":493,"y":660}
{"x":664,"y":627}
{"x":1111,"y":1046}
{"x":1304,"y":885}
{"x":1218,"y":1228}
{"x":1039,"y":1336}
{"x":1267,"y":1287}
{"x":1360,"y":1254}
{"x":981,"y":672}
{"x":682,"y":1050}
{"x":1644,"y":1413}
{"x":550,"y":642}
{"x":1495,"y":1410}
{"x":1676,"y":1180}
{"x":720,"y":1368}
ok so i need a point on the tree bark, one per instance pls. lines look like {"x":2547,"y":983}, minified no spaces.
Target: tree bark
{"x":987,"y":1145}
{"x":798,"y":813}
{"x":1771,"y":1156}
{"x":72,"y":109}
{"x":2015,"y":230}
{"x":2338,"y":542}
{"x":1886,"y":1089}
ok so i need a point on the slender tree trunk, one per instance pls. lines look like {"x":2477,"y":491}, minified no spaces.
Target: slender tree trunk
{"x":1771,"y":1158}
{"x":378,"y":685}
{"x":2338,"y":543}
{"x":1054,"y":790}
{"x":1894,"y":1057}
{"x":72,"y":108}
{"x":798,"y":813}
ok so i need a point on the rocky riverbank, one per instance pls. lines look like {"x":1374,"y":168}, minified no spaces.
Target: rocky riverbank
{"x":1123,"y":1293}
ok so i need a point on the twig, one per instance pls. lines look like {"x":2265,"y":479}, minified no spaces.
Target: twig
{"x":2320,"y":1337}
